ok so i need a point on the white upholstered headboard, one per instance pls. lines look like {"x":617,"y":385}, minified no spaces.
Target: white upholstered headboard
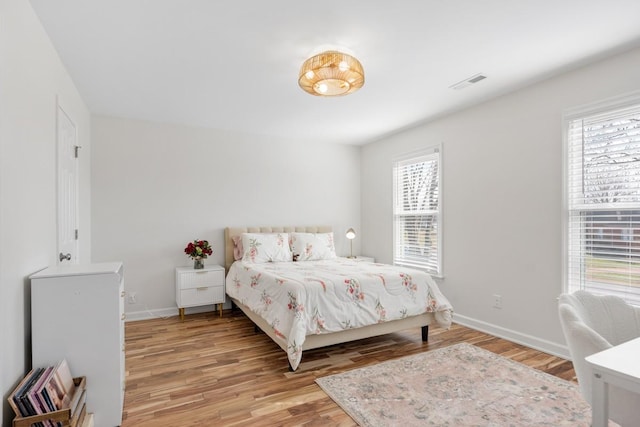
{"x":230,"y":232}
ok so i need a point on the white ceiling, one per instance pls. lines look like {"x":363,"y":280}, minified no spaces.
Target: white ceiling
{"x":233,"y":64}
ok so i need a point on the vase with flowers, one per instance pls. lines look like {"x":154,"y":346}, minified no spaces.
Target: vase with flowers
{"x":198,"y":250}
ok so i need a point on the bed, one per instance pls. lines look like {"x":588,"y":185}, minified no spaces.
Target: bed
{"x":322,"y":299}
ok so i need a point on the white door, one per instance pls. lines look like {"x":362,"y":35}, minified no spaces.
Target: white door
{"x":67,"y":188}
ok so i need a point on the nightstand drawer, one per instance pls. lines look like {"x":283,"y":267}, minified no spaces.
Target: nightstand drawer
{"x":202,"y":296}
{"x":199,"y":278}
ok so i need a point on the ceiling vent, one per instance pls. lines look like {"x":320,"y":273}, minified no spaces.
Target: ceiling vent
{"x":468,"y":82}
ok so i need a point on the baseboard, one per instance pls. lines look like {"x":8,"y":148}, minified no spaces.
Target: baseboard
{"x":555,"y":349}
{"x":132,"y":316}
{"x":165,"y":312}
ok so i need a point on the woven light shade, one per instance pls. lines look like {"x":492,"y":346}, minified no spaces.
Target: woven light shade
{"x":331,"y":73}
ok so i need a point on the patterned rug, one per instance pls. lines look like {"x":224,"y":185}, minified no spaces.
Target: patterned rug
{"x":460,"y":385}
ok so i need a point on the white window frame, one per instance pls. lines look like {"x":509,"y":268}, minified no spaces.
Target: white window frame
{"x":569,"y":116}
{"x":434,"y":151}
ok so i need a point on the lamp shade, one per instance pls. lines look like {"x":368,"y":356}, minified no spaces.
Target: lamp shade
{"x":331,"y":73}
{"x":351,"y":234}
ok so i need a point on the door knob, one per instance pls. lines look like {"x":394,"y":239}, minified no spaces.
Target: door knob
{"x":63,"y":257}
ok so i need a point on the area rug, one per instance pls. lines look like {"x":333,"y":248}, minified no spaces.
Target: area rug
{"x":460,"y":385}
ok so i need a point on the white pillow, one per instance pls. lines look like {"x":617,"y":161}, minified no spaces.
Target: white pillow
{"x":313,"y":246}
{"x":261,"y":248}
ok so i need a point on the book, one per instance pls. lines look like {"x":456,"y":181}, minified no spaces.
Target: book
{"x":46,"y":390}
{"x":12,"y":397}
{"x":42,"y":395}
{"x":52,"y":393}
{"x":63,"y":383}
{"x":33,"y":395}
{"x":64,"y":379}
{"x":22,"y":401}
{"x":58,"y":390}
{"x":40,"y":392}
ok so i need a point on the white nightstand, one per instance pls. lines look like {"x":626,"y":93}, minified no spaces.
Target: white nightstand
{"x":364,"y":258}
{"x":199,"y":287}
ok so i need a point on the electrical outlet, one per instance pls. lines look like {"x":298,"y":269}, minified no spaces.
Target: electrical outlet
{"x":133,"y":298}
{"x":497,"y":301}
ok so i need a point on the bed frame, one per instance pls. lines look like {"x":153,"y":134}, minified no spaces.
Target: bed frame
{"x":318,"y":340}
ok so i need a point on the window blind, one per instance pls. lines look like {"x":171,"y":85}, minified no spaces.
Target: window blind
{"x":416,"y":212}
{"x":604,"y":203}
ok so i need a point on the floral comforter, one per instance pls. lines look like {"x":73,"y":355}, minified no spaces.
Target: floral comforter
{"x":314,"y":297}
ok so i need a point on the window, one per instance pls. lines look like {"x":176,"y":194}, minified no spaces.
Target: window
{"x":603,"y":196}
{"x":417,"y":211}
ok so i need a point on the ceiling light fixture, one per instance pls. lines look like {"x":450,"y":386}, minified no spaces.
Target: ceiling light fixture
{"x":331,"y":73}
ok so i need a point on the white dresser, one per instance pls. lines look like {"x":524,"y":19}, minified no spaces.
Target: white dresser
{"x":77,"y":313}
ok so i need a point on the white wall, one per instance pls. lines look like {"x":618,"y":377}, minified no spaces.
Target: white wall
{"x":31,"y":77}
{"x":156,"y":187}
{"x":502,"y":195}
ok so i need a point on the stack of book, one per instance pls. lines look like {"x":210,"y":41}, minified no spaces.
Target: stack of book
{"x":46,"y":391}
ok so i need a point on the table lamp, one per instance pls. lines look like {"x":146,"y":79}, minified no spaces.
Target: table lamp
{"x":351,"y":234}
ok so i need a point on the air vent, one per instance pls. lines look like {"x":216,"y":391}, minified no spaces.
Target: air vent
{"x":468,"y":82}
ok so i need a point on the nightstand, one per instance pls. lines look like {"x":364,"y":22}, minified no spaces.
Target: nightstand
{"x":199,"y":287}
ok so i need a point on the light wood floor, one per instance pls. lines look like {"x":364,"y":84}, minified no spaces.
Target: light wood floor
{"x":212,"y":371}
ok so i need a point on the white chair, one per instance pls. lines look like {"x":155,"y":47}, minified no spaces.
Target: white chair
{"x":592,"y":323}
